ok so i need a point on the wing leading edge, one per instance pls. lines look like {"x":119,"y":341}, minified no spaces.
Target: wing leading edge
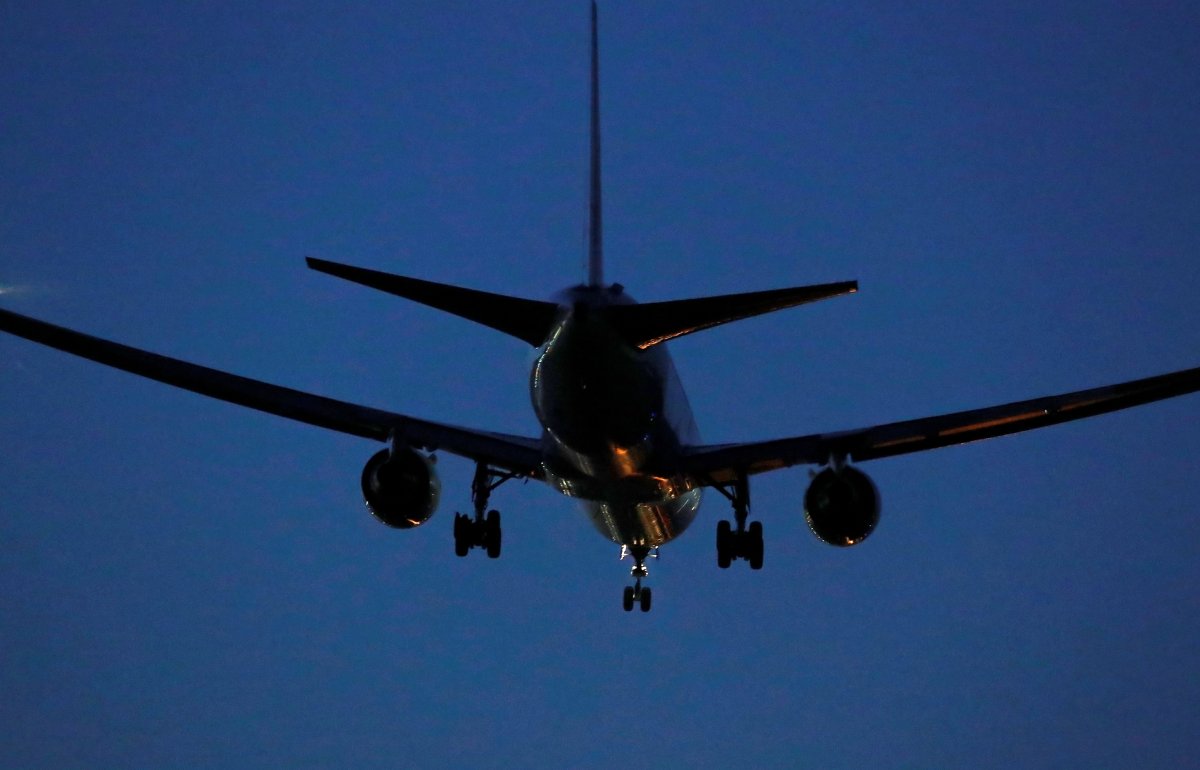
{"x":515,"y":453}
{"x":719,"y":464}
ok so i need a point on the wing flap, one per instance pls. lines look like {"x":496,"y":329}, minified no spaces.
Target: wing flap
{"x":516,"y":453}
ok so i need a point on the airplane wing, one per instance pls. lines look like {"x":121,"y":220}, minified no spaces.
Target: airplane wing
{"x":514,"y":453}
{"x":720,"y":464}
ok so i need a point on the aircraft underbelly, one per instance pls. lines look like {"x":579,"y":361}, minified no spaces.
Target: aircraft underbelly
{"x":648,"y":523}
{"x":637,"y":509}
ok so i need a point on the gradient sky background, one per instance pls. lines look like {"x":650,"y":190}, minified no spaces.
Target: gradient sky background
{"x":187,"y":583}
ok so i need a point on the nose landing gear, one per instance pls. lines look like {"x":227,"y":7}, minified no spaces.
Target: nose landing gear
{"x":636,"y":593}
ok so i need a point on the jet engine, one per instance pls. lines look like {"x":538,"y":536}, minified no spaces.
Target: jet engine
{"x":401,"y":487}
{"x":842,"y":506}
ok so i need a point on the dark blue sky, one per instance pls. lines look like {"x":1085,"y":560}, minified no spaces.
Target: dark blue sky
{"x":185,"y":583}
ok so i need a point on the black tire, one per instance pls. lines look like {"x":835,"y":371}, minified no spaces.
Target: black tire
{"x":461,"y":544}
{"x":755,"y":545}
{"x":645,"y":600}
{"x":627,"y":598}
{"x":493,"y":536}
{"x":724,"y":541}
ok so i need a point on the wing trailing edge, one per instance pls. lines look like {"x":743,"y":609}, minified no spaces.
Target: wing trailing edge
{"x":519,"y":454}
{"x":717,"y":464}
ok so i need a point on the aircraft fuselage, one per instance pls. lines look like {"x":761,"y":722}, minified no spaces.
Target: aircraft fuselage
{"x":613,"y":416}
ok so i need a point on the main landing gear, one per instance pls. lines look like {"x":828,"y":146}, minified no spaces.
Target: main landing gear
{"x":482,"y":531}
{"x":636,"y":593}
{"x":743,"y":542}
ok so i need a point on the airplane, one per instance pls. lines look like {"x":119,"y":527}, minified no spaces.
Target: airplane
{"x":618,"y":435}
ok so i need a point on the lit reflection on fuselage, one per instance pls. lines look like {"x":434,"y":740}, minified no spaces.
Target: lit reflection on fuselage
{"x":613,"y":417}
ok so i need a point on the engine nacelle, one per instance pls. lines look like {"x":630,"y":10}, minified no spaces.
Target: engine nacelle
{"x":401,"y":488}
{"x":842,"y":506}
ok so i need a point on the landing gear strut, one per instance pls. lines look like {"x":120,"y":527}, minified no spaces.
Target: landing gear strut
{"x":743,"y":542}
{"x":636,"y":593}
{"x":482,"y":530}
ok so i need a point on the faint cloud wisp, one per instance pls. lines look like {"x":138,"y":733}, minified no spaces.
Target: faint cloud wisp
{"x":7,"y":288}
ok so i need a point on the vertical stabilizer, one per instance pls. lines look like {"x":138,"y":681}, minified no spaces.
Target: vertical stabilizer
{"x":595,"y":239}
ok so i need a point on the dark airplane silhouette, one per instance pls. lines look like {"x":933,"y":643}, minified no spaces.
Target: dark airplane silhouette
{"x":618,"y":434}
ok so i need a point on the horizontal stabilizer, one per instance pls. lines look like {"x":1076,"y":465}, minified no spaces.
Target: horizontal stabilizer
{"x":525,"y":319}
{"x":655,"y":322}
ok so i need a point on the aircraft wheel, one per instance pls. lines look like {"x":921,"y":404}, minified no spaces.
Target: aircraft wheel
{"x":724,"y":557}
{"x":494,"y":535}
{"x":755,"y":545}
{"x":461,"y":544}
{"x":645,"y":600}
{"x":628,"y":598}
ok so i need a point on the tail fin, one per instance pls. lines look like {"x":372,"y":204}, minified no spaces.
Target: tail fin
{"x":595,"y":239}
{"x":646,"y":325}
{"x":525,"y":319}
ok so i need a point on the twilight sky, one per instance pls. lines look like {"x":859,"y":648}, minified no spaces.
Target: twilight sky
{"x":186,"y":583}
